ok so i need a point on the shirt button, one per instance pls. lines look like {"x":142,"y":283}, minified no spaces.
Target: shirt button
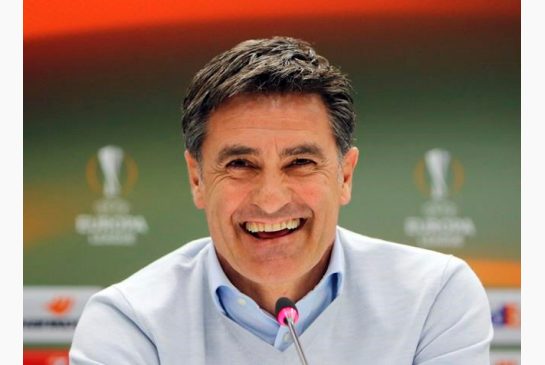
{"x":287,"y":337}
{"x":241,"y":301}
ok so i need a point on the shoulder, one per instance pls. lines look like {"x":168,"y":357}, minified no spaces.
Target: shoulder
{"x":156,"y":284}
{"x":183,"y":259}
{"x":407,"y":268}
{"x":132,"y":314}
{"x":433,"y":297}
{"x":168,"y":274}
{"x":374,"y":250}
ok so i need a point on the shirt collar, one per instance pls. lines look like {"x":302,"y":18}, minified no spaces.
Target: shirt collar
{"x":217,"y":277}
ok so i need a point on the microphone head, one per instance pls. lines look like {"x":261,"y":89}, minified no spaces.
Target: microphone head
{"x":285,"y":309}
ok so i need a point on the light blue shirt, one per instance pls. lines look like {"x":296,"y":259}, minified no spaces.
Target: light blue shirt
{"x":246,"y":312}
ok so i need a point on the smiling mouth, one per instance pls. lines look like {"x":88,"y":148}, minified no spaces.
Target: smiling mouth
{"x":273,"y":230}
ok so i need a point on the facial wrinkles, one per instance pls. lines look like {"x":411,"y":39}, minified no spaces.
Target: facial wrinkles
{"x":249,"y":212}
{"x":217,"y":175}
{"x":277,"y":179}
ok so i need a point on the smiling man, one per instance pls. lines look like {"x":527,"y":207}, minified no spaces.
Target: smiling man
{"x":268,"y":129}
{"x":271,"y":181}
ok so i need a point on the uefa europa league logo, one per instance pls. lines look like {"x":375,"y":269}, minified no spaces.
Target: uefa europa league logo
{"x":439,"y":225}
{"x":437,"y":163}
{"x":111,"y":173}
{"x":110,"y":159}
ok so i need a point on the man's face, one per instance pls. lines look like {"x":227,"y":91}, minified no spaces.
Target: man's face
{"x":271,"y":183}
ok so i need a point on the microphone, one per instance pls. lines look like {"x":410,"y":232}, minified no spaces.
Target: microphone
{"x":287,"y":315}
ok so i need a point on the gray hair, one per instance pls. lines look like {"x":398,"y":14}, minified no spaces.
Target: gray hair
{"x":275,"y":65}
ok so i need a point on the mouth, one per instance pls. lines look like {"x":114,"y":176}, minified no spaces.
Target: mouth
{"x":273,"y":230}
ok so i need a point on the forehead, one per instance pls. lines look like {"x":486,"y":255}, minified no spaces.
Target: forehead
{"x":270,"y":113}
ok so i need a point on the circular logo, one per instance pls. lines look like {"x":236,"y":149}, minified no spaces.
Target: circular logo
{"x":111,"y":172}
{"x":437,"y":175}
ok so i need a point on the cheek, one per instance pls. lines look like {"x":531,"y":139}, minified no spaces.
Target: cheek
{"x":224,"y":200}
{"x":322,"y":190}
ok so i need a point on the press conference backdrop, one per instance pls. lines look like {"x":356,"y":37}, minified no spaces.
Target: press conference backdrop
{"x":437,"y":93}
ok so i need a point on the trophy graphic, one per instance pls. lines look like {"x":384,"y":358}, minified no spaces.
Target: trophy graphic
{"x":437,"y":162}
{"x":440,"y":224}
{"x":111,"y":223}
{"x":110,"y":159}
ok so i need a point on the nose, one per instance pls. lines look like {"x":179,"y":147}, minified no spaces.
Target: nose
{"x":271,"y":192}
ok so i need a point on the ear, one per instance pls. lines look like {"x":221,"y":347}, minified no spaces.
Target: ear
{"x":195,"y":180}
{"x":350,"y":159}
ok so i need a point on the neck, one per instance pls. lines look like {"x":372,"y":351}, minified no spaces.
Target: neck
{"x":266,"y":294}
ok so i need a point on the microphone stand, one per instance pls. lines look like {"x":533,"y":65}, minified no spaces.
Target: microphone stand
{"x":296,"y":341}
{"x":287,"y":315}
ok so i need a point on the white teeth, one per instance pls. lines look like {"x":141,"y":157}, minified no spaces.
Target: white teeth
{"x":275,"y":227}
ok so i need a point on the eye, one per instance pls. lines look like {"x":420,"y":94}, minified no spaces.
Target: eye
{"x":302,"y":162}
{"x":239,"y":164}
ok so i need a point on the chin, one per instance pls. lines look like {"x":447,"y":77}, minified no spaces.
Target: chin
{"x":274,"y":273}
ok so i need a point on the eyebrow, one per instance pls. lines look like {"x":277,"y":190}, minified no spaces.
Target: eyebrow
{"x":304,"y":149}
{"x":241,"y":150}
{"x":235,"y":150}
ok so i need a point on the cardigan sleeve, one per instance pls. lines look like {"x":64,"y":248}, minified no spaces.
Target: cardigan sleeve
{"x":108,"y":333}
{"x":458,"y":327}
